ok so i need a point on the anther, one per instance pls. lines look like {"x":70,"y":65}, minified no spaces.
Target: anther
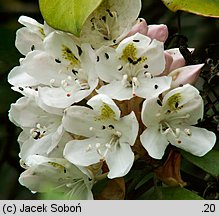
{"x":187,"y":131}
{"x":52,"y":82}
{"x":89,"y":147}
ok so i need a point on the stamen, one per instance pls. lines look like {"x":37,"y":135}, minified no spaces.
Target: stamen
{"x":158,"y":114}
{"x":187,"y":131}
{"x":89,"y":147}
{"x":177,"y":132}
{"x":148,"y":75}
{"x":125,"y":79}
{"x":52,"y":82}
{"x":135,"y":84}
{"x":97,"y":145}
{"x":118,"y":133}
{"x":107,"y":145}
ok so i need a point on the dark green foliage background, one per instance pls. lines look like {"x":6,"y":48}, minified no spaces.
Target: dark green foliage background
{"x":200,"y":31}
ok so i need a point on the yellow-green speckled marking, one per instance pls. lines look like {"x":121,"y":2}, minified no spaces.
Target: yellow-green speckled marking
{"x":69,"y":56}
{"x":56,"y":165}
{"x":130,"y":51}
{"x":173,"y":101}
{"x":42,"y":32}
{"x":106,"y":113}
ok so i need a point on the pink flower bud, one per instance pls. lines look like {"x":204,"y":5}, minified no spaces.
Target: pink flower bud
{"x":178,"y":59}
{"x":169,"y":61}
{"x":158,"y":32}
{"x":140,"y":27}
{"x":185,"y":75}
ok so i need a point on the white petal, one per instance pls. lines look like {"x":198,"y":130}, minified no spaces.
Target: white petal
{"x":120,"y":161}
{"x":155,"y":57}
{"x":55,"y":42}
{"x":18,"y":77}
{"x":151,"y":112}
{"x":126,"y":16}
{"x":107,"y":64}
{"x":188,"y":99}
{"x":128,"y":126}
{"x":56,"y":137}
{"x":47,"y":29}
{"x":57,"y":147}
{"x":140,"y":46}
{"x":116,"y":90}
{"x":58,"y":97}
{"x":78,"y":120}
{"x":32,"y":146}
{"x":102,"y":103}
{"x":154,"y":142}
{"x":77,"y":152}
{"x":199,"y":143}
{"x":25,"y":112}
{"x":29,"y":22}
{"x":43,"y":68}
{"x":153,"y":87}
{"x":27,"y":41}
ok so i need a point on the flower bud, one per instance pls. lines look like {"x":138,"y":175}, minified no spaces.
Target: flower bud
{"x":168,"y":63}
{"x":185,"y":75}
{"x":140,"y":27}
{"x":158,"y":32}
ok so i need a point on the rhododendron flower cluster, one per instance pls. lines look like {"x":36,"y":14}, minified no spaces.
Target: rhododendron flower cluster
{"x":87,"y":102}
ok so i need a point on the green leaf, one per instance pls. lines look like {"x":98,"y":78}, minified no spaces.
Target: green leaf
{"x":171,"y":193}
{"x":67,"y":15}
{"x":209,"y":8}
{"x":209,"y":162}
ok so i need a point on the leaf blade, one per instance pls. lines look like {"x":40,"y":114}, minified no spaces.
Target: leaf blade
{"x":67,"y":15}
{"x":208,"y":163}
{"x":209,"y":8}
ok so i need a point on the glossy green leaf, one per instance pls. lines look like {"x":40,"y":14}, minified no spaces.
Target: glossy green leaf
{"x":209,"y":8}
{"x":209,"y":162}
{"x":67,"y":15}
{"x":170,"y":193}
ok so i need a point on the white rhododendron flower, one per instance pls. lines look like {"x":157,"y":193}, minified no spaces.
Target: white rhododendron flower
{"x":110,"y":22}
{"x":31,"y":36}
{"x":57,"y":174}
{"x":132,"y":68}
{"x":102,"y":104}
{"x":109,"y":137}
{"x":170,"y":120}
{"x":66,"y":72}
{"x":42,"y":131}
